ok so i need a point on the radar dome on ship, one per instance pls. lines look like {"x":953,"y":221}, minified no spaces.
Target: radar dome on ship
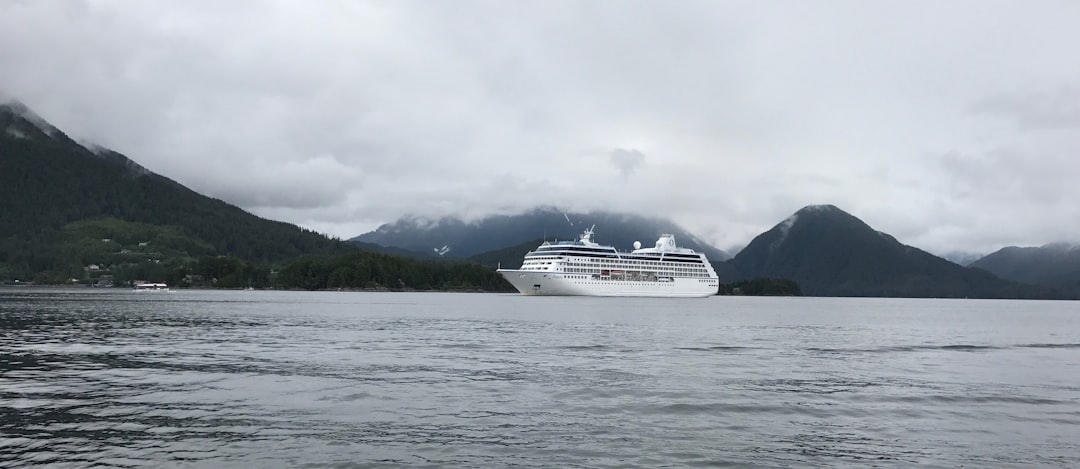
{"x":637,"y":244}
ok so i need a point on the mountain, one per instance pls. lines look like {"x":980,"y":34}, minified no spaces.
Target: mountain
{"x":66,"y":205}
{"x":508,"y":257}
{"x":451,"y":237}
{"x":1055,"y":265}
{"x":393,"y":251}
{"x":829,"y":252}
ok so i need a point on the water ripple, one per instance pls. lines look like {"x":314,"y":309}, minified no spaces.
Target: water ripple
{"x":294,"y":379}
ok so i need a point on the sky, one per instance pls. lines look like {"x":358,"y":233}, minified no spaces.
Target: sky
{"x":954,"y":126}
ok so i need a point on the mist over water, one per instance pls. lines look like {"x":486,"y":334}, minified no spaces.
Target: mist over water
{"x":295,"y":379}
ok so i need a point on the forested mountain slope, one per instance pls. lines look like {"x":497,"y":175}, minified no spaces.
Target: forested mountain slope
{"x":48,"y":182}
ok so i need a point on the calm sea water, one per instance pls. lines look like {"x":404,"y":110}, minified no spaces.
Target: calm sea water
{"x":297,"y":379}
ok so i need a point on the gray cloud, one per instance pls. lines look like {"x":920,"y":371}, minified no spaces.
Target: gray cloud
{"x":341,"y":115}
{"x":627,"y":161}
{"x":1037,"y":110}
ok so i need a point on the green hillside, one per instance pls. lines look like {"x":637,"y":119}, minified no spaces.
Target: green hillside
{"x":375,"y":271}
{"x":60,"y":199}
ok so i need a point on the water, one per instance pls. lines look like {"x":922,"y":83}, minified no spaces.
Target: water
{"x":297,"y":379}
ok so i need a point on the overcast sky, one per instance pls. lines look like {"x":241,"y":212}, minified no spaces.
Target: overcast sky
{"x":952,"y":125}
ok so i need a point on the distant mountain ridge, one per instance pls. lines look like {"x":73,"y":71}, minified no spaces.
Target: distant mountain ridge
{"x":832,"y":253}
{"x":453,"y":237}
{"x":1055,"y":265}
{"x":49,"y":181}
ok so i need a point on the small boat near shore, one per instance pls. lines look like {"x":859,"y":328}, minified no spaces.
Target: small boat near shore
{"x":150,"y":287}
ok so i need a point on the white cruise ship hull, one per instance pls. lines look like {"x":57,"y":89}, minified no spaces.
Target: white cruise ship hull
{"x":560,"y":284}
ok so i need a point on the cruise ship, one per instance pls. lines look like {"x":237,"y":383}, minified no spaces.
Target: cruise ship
{"x":584,"y":267}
